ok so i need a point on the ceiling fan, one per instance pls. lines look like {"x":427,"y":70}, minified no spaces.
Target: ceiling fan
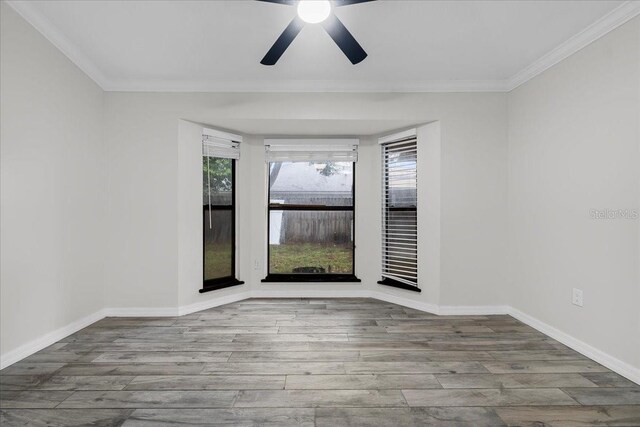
{"x":316,"y":12}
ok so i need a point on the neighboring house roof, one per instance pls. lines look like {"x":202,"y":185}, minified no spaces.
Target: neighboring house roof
{"x":304,"y":177}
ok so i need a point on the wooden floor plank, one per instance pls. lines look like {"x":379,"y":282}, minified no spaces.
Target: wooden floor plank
{"x":132,"y":369}
{"x":96,"y":382}
{"x":605,"y":396}
{"x":22,"y":368}
{"x":513,"y":380}
{"x":545,"y":367}
{"x":361,"y":382}
{"x":20,"y":382}
{"x":330,"y":329}
{"x":516,"y":356}
{"x":239,"y":417}
{"x":414,"y":367}
{"x":487,"y":397}
{"x":326,"y":322}
{"x":291,"y":337}
{"x":163,"y":357}
{"x":379,"y":345}
{"x":150,"y":399}
{"x":400,"y":355}
{"x":207,"y":382}
{"x":608,"y":379}
{"x":415,"y":417}
{"x":293,"y":356}
{"x":32,"y":398}
{"x":319,"y":398}
{"x":191,"y":346}
{"x":64,"y":417}
{"x":555,"y":416}
{"x":273,"y":368}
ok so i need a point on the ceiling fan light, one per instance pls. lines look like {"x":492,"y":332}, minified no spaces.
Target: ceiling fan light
{"x":314,"y":11}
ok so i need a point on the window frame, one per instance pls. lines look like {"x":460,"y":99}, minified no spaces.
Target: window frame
{"x":311,"y":277}
{"x":231,"y":280}
{"x":386,"y":209}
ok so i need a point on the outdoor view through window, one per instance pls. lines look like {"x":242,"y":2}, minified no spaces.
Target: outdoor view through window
{"x":311,"y":218}
{"x":218,"y":204}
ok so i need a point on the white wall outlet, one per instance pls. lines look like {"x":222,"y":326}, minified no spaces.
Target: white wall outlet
{"x":256,"y":264}
{"x":577,"y":297}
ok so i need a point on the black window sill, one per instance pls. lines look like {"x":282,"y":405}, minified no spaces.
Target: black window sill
{"x":214,"y":285}
{"x":400,"y":285}
{"x":297,"y":278}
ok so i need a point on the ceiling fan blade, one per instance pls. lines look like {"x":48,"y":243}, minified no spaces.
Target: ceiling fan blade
{"x":343,"y":38}
{"x":283,"y":42}
{"x":338,"y":3}
{"x":285,"y":2}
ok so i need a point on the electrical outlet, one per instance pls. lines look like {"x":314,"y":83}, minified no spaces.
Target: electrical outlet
{"x":577,"y":297}
{"x":256,"y":264}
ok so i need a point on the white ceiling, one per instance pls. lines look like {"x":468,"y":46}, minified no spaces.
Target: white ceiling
{"x":412,"y":45}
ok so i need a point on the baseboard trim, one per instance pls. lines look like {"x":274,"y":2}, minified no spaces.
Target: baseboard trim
{"x":626,"y":370}
{"x":46,"y":340}
{"x":141,"y":311}
{"x":211,"y":303}
{"x":406,"y":302}
{"x":304,"y":293}
{"x":473,"y":310}
{"x":443,"y":310}
{"x":605,"y":359}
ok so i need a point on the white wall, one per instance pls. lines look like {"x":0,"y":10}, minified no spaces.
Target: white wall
{"x":53,"y":188}
{"x":429,"y":184}
{"x":145,"y":188}
{"x":574,"y":145}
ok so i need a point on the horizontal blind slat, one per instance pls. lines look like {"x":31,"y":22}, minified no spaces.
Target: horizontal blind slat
{"x":218,"y":147}
{"x":399,"y":279}
{"x":390,"y":274}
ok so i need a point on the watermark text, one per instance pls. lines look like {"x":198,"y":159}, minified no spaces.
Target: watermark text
{"x":614,"y":213}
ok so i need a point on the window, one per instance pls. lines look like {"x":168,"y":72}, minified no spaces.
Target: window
{"x":399,"y":214}
{"x":219,"y":157}
{"x":311,"y":213}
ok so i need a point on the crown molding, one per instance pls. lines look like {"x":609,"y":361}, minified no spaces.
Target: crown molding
{"x":623,"y":13}
{"x":604,"y":25}
{"x":30,"y":13}
{"x":297,"y":86}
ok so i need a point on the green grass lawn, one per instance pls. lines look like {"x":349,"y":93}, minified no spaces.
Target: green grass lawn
{"x":333,"y":258}
{"x":217,"y":261}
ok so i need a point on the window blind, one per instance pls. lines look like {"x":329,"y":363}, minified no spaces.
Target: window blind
{"x":300,"y":150}
{"x":399,"y":206}
{"x":222,"y":148}
{"x":220,"y":144}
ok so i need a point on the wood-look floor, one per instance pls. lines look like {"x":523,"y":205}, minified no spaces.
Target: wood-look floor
{"x":324,"y":362}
